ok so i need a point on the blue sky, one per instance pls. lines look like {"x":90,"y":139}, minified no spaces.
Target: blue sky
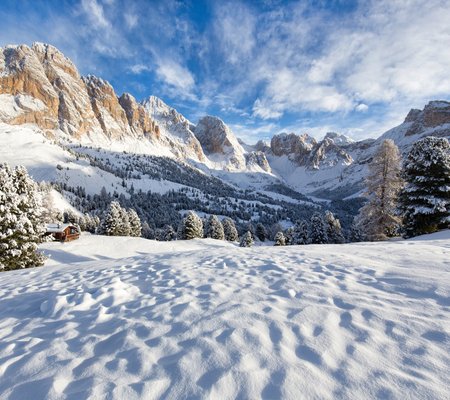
{"x":354,"y":67}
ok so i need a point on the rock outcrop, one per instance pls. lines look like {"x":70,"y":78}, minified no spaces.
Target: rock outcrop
{"x":39,"y":85}
{"x":217,"y":139}
{"x":305,"y":151}
{"x":176,"y":131}
{"x":435,"y":114}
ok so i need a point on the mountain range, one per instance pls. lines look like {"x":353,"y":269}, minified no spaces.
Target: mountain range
{"x":42,"y":93}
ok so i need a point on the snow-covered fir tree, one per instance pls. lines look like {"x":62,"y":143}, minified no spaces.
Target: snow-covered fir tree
{"x":425,"y":200}
{"x":300,"y":233}
{"x":280,"y":240}
{"x":289,"y":236}
{"x":191,"y":227}
{"x":111,"y":224}
{"x":124,"y":223}
{"x":70,"y":217}
{"x":246,"y":240}
{"x":21,"y":223}
{"x":169,"y":233}
{"x":135,"y":223}
{"x":334,"y":229}
{"x":214,"y":228}
{"x":147,"y":231}
{"x":229,"y":229}
{"x":260,"y":232}
{"x":378,"y":219}
{"x":317,"y":229}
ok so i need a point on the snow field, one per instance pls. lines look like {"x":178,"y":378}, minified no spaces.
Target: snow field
{"x":129,"y":318}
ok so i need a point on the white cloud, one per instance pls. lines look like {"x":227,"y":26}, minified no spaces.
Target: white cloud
{"x":131,"y":20}
{"x":362,"y":107}
{"x":139,"y":68}
{"x":94,"y":12}
{"x":234,"y":27}
{"x":174,"y":74}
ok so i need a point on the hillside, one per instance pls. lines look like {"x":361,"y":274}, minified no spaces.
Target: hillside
{"x":131,"y":318}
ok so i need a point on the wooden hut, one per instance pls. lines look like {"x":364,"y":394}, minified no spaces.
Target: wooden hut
{"x":63,"y":232}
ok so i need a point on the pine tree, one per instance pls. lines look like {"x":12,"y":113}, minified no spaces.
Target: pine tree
{"x":317,"y":229}
{"x":147,"y":232}
{"x":21,"y":227}
{"x":334,"y":230}
{"x":378,"y":219}
{"x":300,"y":233}
{"x":280,"y":239}
{"x":135,"y":223}
{"x":425,"y":201}
{"x":191,"y":227}
{"x":169,"y":233}
{"x":124,"y":223}
{"x":246,"y":240}
{"x":260,"y":232}
{"x":214,"y":228}
{"x":289,"y":236}
{"x":229,"y":229}
{"x":111,"y":223}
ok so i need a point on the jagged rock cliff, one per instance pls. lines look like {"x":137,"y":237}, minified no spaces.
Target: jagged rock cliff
{"x":39,"y":85}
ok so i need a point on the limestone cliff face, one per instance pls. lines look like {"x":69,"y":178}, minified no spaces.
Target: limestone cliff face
{"x":21,"y":73}
{"x":138,"y":118}
{"x":306,"y":151}
{"x":174,"y":129}
{"x":107,"y":109}
{"x":218,"y":140}
{"x":39,"y":85}
{"x":75,"y":115}
{"x":296,"y":147}
{"x":434,"y":115}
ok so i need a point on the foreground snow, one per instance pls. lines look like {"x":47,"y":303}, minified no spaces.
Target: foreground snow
{"x":128,"y":318}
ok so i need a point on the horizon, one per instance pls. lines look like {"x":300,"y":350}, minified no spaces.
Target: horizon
{"x":355,"y":68}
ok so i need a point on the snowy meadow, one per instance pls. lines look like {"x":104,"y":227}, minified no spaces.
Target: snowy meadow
{"x":117,"y":317}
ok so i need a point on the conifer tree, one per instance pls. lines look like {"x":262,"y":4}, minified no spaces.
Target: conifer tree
{"x":334,"y":230}
{"x":135,"y":223}
{"x":191,"y":227}
{"x":425,"y":201}
{"x":246,"y":240}
{"x":21,"y":225}
{"x":317,"y":229}
{"x":124,"y":222}
{"x":300,"y":233}
{"x":260,"y":232}
{"x":147,"y":231}
{"x":229,"y":229}
{"x":289,"y":236}
{"x":214,"y":228}
{"x":378,"y":219}
{"x":280,"y":239}
{"x":111,"y":223}
{"x":169,"y":233}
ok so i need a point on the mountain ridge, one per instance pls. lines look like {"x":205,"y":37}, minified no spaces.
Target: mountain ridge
{"x":41,"y":86}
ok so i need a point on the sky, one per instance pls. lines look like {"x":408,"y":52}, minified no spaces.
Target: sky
{"x":348,"y":66}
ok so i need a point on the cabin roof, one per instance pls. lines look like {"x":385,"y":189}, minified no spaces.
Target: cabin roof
{"x":53,"y":228}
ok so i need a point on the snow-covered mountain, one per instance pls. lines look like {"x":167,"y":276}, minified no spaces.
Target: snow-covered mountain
{"x":42,"y":89}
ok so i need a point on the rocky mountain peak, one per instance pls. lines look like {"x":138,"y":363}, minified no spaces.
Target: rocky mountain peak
{"x":340,"y":140}
{"x":296,"y":147}
{"x":217,"y":138}
{"x":434,"y":115}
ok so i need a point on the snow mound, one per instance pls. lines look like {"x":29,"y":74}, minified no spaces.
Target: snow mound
{"x":130,"y":318}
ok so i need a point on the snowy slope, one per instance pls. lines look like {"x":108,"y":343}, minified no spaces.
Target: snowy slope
{"x":128,"y":318}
